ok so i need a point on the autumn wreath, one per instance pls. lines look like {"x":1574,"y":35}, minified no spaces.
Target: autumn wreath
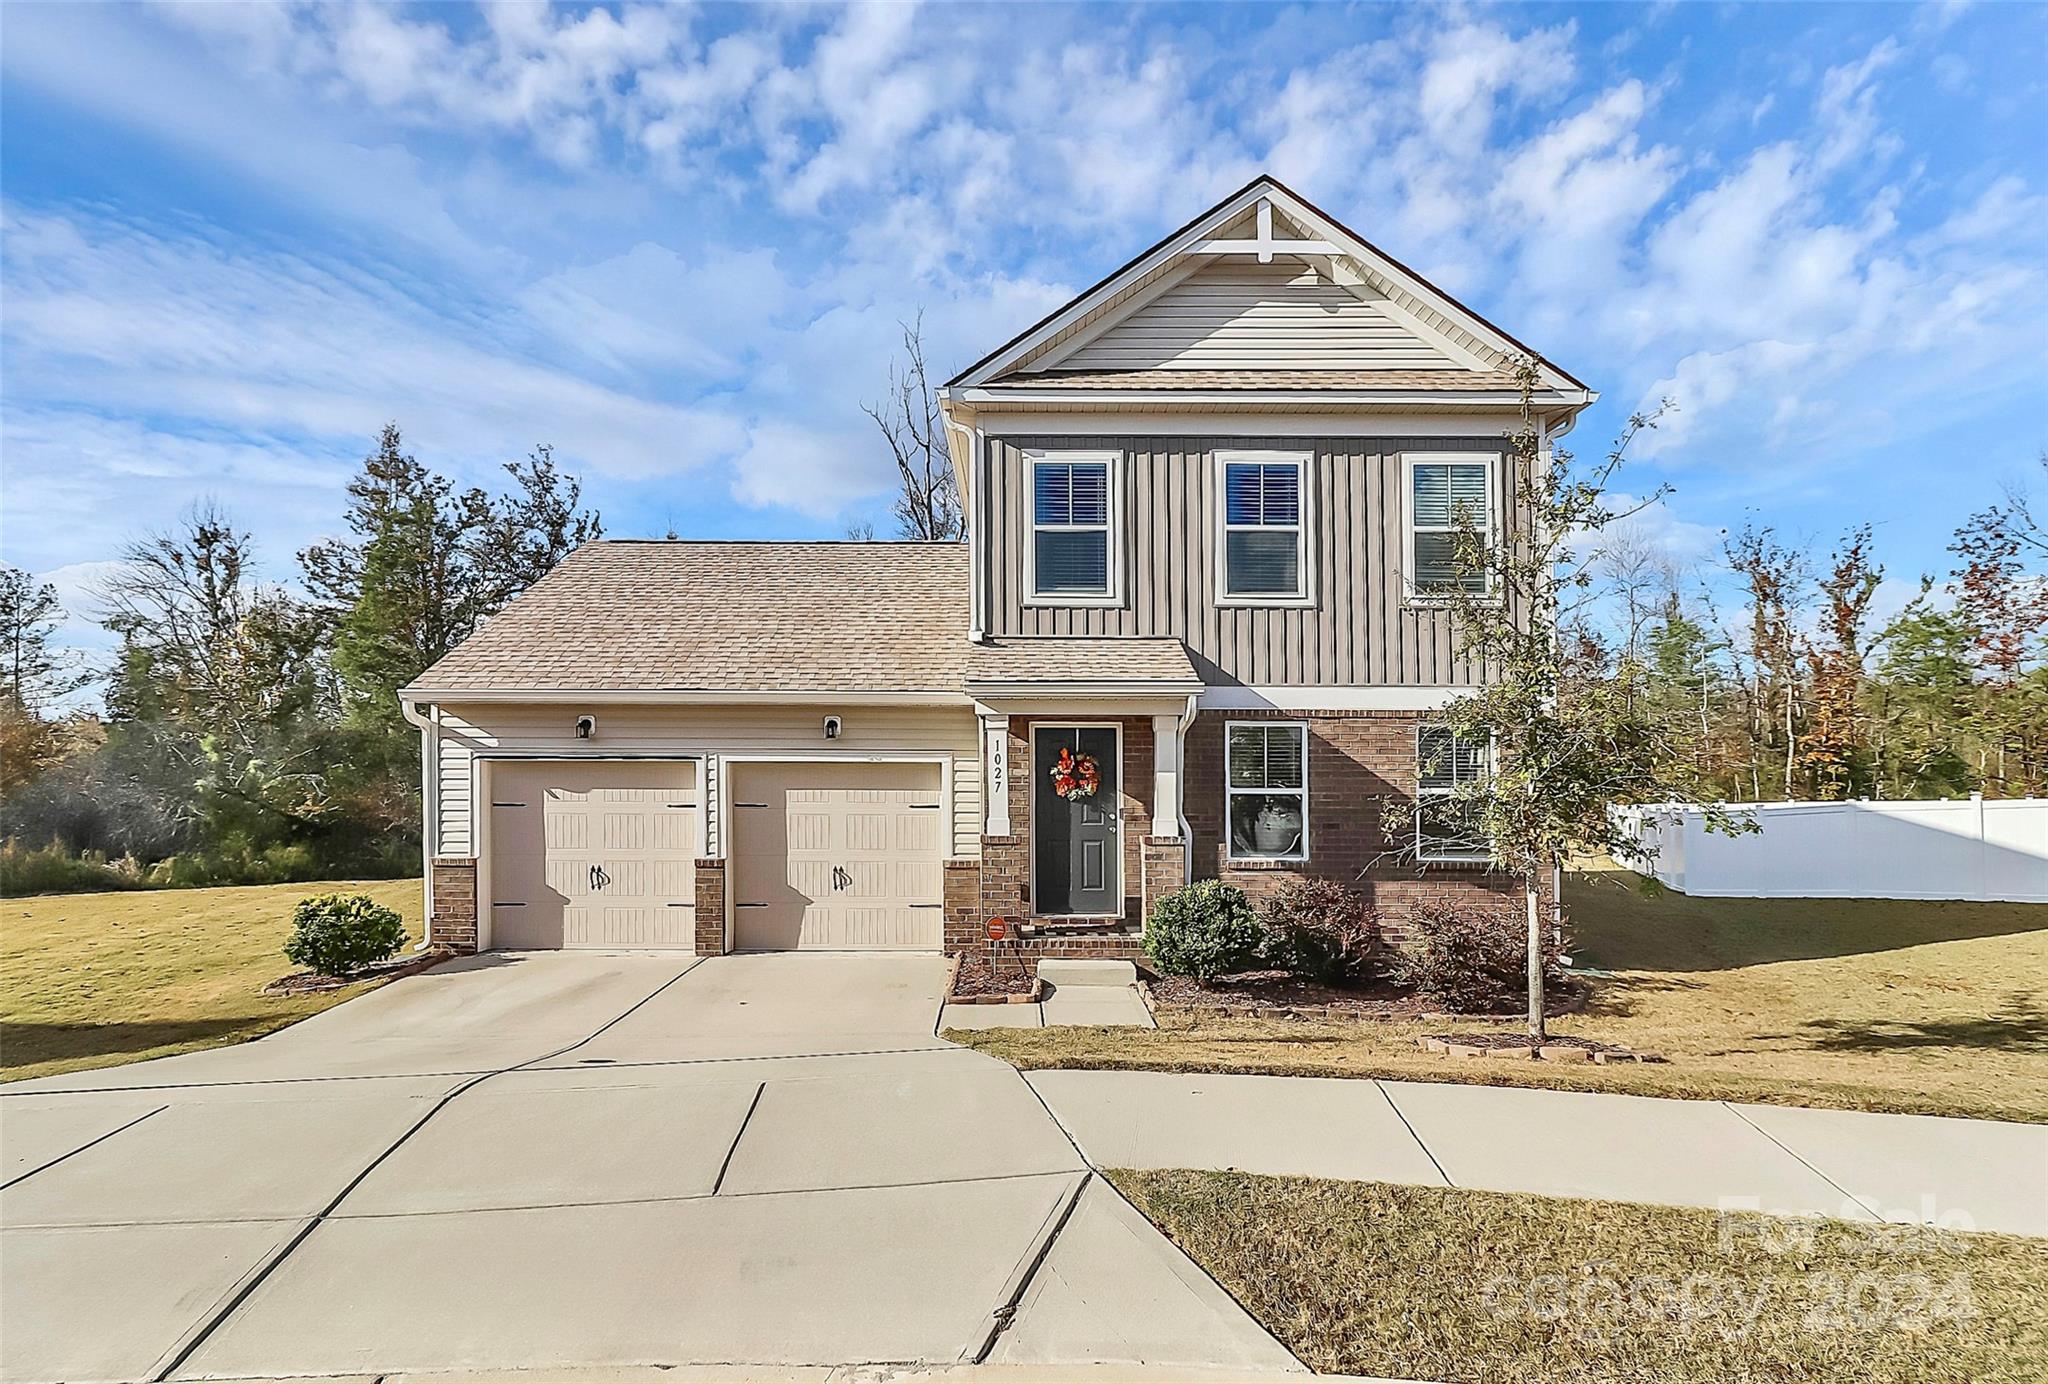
{"x":1076,"y":775}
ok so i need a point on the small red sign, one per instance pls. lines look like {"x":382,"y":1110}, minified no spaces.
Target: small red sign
{"x":997,"y":929}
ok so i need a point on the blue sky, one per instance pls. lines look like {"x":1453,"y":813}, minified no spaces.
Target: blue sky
{"x":675,"y":242}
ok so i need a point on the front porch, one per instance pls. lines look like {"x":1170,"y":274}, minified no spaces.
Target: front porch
{"x":1073,"y":866}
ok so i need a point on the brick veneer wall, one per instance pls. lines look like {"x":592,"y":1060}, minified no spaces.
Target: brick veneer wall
{"x":454,"y":921}
{"x":1357,"y":762}
{"x":709,"y":913}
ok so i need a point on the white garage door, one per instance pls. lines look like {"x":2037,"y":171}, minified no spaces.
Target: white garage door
{"x":845,"y":857}
{"x":598,"y":854}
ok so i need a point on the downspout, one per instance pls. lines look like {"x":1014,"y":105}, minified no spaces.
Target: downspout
{"x":430,"y":802}
{"x":1187,"y":835}
{"x":970,"y":510}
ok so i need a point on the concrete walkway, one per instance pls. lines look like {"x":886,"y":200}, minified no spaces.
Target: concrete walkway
{"x":1961,"y":1174}
{"x":563,"y":1161}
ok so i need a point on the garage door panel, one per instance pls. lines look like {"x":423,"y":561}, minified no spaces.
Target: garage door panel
{"x":594,"y":853}
{"x":837,"y":857}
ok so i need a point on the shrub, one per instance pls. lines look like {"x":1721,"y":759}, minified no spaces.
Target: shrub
{"x":1320,"y":929}
{"x":1204,"y":930}
{"x":335,"y":934}
{"x":1470,"y":958}
{"x":53,"y":869}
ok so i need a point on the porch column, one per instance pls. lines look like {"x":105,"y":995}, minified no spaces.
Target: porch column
{"x":1166,"y":757}
{"x":995,"y":775}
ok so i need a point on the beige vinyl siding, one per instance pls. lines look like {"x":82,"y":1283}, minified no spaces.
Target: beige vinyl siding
{"x":1240,"y":314}
{"x":1356,"y":630}
{"x":471,"y":729}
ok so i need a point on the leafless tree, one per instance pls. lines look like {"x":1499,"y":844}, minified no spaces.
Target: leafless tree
{"x":927,"y":504}
{"x":1634,"y":574}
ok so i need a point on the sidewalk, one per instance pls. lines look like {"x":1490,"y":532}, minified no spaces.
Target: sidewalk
{"x":1961,"y":1174}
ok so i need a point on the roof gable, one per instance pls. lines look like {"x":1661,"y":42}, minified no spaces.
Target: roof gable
{"x":1262,"y":281}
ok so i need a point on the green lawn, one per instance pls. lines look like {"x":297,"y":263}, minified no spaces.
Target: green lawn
{"x":1932,"y":1008}
{"x":1491,"y":1288}
{"x":90,"y":980}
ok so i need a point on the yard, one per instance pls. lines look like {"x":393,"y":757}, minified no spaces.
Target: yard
{"x":1491,"y":1288}
{"x":90,"y":980}
{"x":1930,"y":1008}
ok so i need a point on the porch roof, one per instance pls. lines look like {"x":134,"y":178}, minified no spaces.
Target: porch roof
{"x":1081,"y":666}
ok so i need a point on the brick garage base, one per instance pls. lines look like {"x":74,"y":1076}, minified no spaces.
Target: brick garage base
{"x":453,"y":923}
{"x":710,"y":909}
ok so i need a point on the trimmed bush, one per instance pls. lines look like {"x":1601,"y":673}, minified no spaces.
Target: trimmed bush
{"x":336,"y":934}
{"x":1204,"y":930}
{"x":1320,"y":929}
{"x":1470,"y":958}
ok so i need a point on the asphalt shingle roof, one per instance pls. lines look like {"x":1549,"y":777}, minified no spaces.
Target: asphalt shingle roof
{"x":769,"y":617}
{"x":728,"y":617}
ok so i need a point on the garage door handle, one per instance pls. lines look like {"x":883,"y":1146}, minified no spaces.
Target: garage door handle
{"x":598,"y":878}
{"x":840,"y":878}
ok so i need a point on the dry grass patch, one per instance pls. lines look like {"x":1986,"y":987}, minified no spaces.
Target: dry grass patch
{"x":1440,"y":1283}
{"x":1916,"y":1007}
{"x":91,"y":980}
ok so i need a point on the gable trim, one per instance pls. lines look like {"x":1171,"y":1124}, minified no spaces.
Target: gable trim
{"x":1193,"y":239}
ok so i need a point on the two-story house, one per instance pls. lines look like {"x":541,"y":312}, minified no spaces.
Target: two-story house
{"x":1192,"y":633}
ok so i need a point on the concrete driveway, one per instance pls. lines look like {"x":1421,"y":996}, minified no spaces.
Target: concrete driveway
{"x":563,"y":1160}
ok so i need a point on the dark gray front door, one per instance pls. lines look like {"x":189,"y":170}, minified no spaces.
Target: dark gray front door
{"x":1075,"y":842}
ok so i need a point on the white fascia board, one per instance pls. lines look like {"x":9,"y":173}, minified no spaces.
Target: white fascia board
{"x":1287,"y":697}
{"x":1024,"y":396}
{"x":1357,"y":250}
{"x":985,"y":689}
{"x":1165,"y":253}
{"x":1021,"y":426}
{"x":682,"y":697}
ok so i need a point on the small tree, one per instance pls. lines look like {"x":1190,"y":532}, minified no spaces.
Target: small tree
{"x":1574,"y":730}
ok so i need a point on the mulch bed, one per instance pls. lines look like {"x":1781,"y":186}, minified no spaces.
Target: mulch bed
{"x":313,"y":983}
{"x":975,"y":983}
{"x":1279,"y":995}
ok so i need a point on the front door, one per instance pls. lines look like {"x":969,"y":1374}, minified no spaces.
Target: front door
{"x":1076,"y":842}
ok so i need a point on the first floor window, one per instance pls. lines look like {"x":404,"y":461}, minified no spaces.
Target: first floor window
{"x":1266,"y":780}
{"x":1070,"y":528}
{"x":1447,"y":499}
{"x":1446,"y":825}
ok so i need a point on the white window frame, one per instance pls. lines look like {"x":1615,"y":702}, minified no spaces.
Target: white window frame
{"x":1484,"y":854}
{"x":1409,"y":461}
{"x":1230,"y":854}
{"x":1113,"y":546}
{"x":1304,"y":574}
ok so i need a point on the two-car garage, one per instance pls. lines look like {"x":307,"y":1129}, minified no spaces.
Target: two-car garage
{"x":823,"y":855}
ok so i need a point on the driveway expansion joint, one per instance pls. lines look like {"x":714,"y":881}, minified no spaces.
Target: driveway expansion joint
{"x":90,"y":1143}
{"x":184,"y":1349}
{"x":737,"y":1135}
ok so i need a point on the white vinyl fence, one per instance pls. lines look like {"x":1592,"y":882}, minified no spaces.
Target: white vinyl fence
{"x":1954,"y":849}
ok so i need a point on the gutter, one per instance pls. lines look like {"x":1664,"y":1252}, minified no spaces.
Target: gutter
{"x":613,"y":696}
{"x":984,"y":689}
{"x":1422,"y":399}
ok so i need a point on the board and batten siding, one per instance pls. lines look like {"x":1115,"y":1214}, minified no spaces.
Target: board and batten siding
{"x":1244,"y":315}
{"x":1358,"y":630}
{"x":469,"y":730}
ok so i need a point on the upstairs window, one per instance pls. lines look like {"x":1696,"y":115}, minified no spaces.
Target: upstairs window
{"x":1446,"y":497}
{"x":1071,"y":508}
{"x":1446,"y":825}
{"x":1264,"y":555}
{"x":1266,"y":789}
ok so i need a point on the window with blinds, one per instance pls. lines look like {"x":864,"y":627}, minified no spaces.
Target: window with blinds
{"x":1070,"y":528}
{"x":1263,"y":533}
{"x":1265,"y":777}
{"x":1447,"y":769}
{"x":1446,"y":499}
